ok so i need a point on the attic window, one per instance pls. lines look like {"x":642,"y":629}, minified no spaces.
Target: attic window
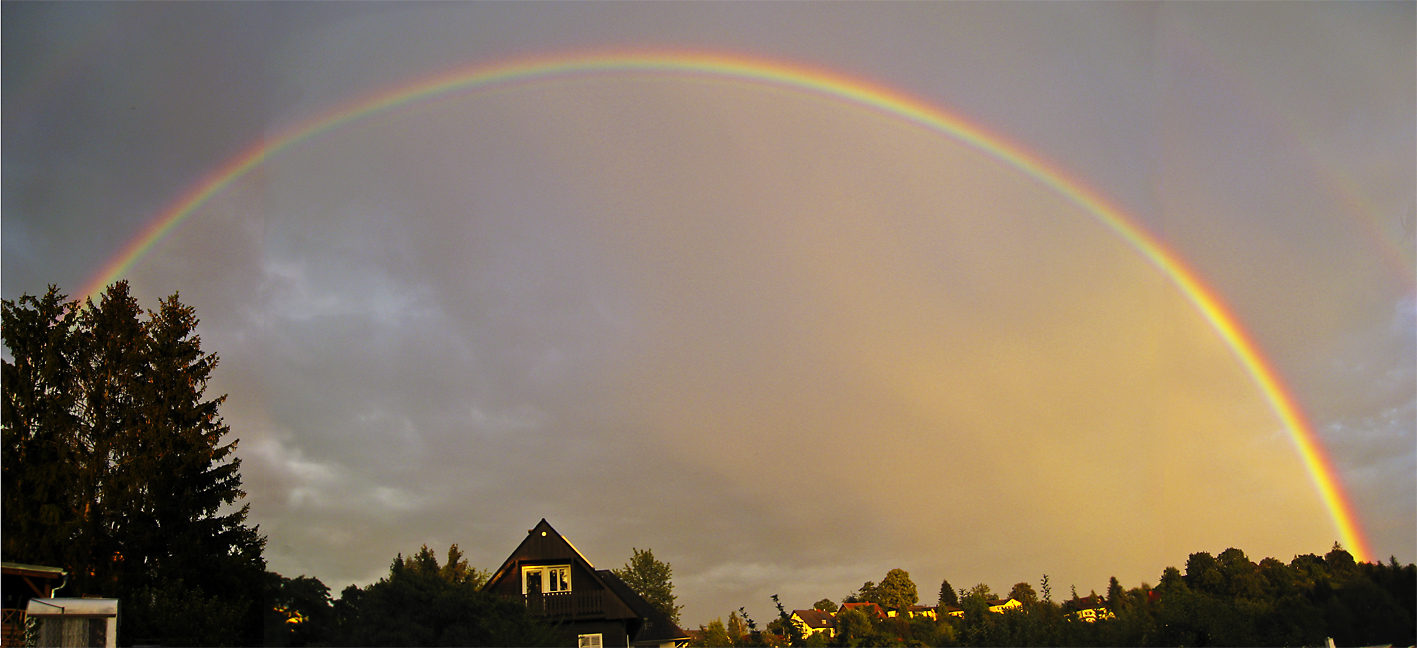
{"x":546,"y":578}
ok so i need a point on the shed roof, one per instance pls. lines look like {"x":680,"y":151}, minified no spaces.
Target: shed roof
{"x":72,"y":607}
{"x":21,"y":569}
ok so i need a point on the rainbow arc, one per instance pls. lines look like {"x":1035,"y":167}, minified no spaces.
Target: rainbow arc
{"x":829,"y":85}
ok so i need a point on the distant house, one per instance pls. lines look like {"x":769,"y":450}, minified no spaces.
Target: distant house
{"x":812,"y":622}
{"x":1003,"y":605}
{"x":593,"y":608}
{"x":912,"y":612}
{"x":922,"y":611}
{"x":953,"y":610}
{"x":870,"y":609}
{"x":18,"y":584}
{"x":1088,"y":608}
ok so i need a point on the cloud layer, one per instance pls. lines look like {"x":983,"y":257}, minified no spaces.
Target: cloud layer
{"x":786,"y":342}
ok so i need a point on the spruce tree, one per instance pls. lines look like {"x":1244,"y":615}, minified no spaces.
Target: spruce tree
{"x":117,"y":466}
{"x":947,"y":595}
{"x":40,"y":425}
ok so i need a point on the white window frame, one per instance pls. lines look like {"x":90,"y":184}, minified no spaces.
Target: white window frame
{"x":554,"y":578}
{"x":590,"y":641}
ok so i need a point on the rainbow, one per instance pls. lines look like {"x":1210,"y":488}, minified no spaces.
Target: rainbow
{"x":827,"y":84}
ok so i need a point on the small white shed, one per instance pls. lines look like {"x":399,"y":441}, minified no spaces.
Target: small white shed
{"x":75,"y":622}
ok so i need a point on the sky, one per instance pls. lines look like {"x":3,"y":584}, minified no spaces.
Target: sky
{"x":785,"y":339}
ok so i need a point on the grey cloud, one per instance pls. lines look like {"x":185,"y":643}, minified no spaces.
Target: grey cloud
{"x":787,"y":343}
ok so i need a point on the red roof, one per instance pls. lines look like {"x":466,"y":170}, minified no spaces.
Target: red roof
{"x":868,"y":608}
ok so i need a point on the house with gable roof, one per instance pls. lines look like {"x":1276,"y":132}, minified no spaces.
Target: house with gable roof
{"x":1000,"y":606}
{"x":925,"y":611}
{"x":870,"y":609}
{"x":1088,"y":608}
{"x":814,"y":621}
{"x":593,"y":607}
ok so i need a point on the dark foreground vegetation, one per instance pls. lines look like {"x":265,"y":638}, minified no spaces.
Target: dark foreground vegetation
{"x":419,"y":603}
{"x":117,"y":469}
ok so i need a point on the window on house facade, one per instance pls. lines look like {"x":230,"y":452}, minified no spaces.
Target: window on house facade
{"x":547,"y":578}
{"x":588,"y":640}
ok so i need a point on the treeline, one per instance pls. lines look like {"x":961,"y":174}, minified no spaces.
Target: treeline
{"x":1225,"y":600}
{"x":419,"y":603}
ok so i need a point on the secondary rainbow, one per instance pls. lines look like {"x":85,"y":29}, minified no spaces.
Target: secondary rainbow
{"x":831,"y":85}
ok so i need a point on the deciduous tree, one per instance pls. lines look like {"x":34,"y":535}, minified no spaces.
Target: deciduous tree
{"x":653,"y":580}
{"x":896,"y":591}
{"x":1023,"y":593}
{"x":715,"y":634}
{"x":980,"y":591}
{"x":737,"y":629}
{"x":298,"y":611}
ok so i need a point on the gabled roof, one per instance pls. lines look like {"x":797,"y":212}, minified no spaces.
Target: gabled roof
{"x":815,"y":619}
{"x":543,"y":545}
{"x":1000,"y":605}
{"x":868,"y":608}
{"x":544,"y":542}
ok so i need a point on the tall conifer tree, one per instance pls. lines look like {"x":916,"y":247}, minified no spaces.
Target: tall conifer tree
{"x":117,"y":468}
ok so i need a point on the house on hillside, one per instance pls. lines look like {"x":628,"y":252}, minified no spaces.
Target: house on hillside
{"x":922,"y":611}
{"x":1088,"y":608}
{"x":870,"y":609}
{"x":1001,"y":606}
{"x":594,"y":608}
{"x":912,"y":612}
{"x":813,"y":622}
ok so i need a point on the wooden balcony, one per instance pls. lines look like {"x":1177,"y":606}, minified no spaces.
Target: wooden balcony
{"x":14,"y":628}
{"x":571,"y":604}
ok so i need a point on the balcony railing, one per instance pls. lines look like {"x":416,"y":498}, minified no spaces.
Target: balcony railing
{"x":14,"y":627}
{"x":566,"y":604}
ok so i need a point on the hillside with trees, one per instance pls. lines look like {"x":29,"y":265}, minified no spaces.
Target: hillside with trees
{"x":1224,"y":600}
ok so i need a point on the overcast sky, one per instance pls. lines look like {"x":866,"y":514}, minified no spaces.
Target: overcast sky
{"x":785,"y":341}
